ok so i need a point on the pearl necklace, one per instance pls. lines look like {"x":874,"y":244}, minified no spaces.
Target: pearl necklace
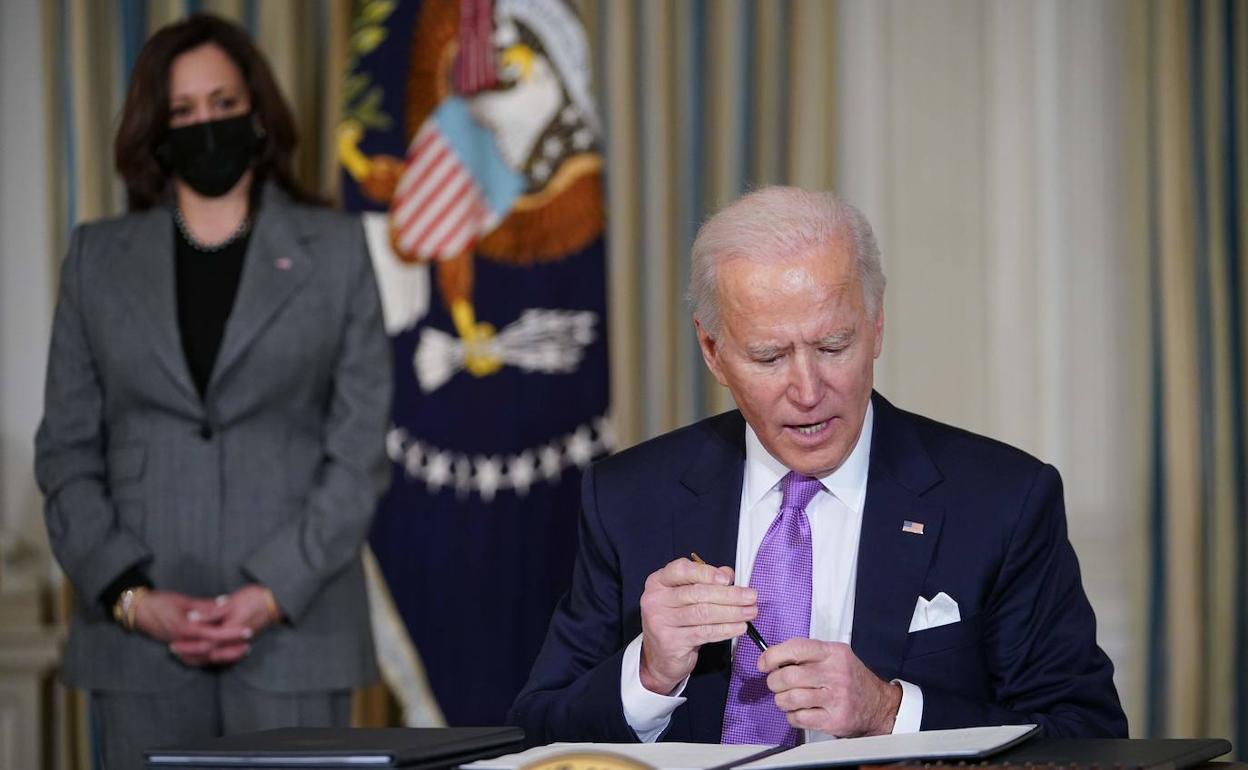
{"x":209,"y":248}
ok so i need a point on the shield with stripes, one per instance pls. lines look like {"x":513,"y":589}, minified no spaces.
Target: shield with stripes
{"x":455,"y":186}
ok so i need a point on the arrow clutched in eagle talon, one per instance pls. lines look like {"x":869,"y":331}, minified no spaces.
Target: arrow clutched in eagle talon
{"x":543,"y":341}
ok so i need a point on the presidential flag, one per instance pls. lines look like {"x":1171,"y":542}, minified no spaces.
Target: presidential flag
{"x":470,"y":141}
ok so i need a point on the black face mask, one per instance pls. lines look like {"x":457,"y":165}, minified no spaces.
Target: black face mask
{"x":212,"y":156}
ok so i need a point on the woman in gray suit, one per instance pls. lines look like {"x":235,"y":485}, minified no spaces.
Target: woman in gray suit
{"x":218,"y":389}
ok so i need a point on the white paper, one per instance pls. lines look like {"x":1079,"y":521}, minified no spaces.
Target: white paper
{"x":932,"y":744}
{"x":665,"y":756}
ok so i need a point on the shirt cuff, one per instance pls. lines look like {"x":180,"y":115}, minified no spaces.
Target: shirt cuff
{"x":648,"y":713}
{"x":910,"y":712}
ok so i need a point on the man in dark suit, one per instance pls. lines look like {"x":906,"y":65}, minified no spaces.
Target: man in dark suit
{"x":908,"y":575}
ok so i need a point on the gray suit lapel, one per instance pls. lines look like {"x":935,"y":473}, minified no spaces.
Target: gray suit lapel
{"x":144,"y":268}
{"x":277,"y":264}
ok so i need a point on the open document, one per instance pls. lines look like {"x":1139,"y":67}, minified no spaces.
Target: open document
{"x":668,"y":756}
{"x":968,"y":743}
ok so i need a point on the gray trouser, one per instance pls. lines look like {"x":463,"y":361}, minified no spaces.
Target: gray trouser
{"x":128,"y":723}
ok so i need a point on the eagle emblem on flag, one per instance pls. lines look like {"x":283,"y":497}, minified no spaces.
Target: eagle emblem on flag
{"x":502,"y":163}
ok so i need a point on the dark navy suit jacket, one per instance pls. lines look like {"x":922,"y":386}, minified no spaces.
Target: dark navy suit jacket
{"x":994,"y":539}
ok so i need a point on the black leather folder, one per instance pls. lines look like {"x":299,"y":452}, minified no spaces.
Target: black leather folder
{"x":415,"y":748}
{"x":1118,"y":754}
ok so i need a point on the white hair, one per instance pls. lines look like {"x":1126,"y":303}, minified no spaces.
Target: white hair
{"x":778,"y":223}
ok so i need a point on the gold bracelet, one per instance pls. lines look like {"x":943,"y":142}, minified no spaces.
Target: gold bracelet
{"x":126,"y":606}
{"x":135,"y":596}
{"x":274,"y":613}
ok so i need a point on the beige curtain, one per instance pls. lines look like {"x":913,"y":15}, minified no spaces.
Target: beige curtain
{"x":1195,"y":56}
{"x":702,"y":100}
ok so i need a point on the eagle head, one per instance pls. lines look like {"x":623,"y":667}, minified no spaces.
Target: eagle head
{"x":517,"y":61}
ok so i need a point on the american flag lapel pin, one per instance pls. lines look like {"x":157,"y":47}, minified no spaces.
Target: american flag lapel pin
{"x":283,"y":263}
{"x":913,"y":527}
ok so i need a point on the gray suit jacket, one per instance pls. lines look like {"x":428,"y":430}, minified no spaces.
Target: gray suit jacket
{"x":272,"y":477}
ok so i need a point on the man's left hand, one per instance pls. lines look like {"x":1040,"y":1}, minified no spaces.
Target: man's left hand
{"x":824,"y":686}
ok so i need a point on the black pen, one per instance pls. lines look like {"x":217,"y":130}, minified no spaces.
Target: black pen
{"x":750,"y":630}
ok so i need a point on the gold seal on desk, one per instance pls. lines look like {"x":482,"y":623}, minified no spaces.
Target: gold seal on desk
{"x":587,"y":760}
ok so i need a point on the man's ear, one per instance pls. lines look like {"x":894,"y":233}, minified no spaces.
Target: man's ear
{"x":710,"y":351}
{"x":879,"y":329}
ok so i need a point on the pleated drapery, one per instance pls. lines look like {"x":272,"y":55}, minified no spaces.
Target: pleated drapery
{"x":703,"y":100}
{"x":1197,"y":134}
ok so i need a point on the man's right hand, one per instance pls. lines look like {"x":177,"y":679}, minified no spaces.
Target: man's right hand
{"x":191,"y":627}
{"x":686,"y":605}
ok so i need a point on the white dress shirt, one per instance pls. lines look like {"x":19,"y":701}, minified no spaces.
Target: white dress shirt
{"x":835,"y":516}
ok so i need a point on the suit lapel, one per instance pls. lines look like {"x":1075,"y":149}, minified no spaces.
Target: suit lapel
{"x":708,"y":526}
{"x":143,"y":264}
{"x":276,"y":265}
{"x":892,"y":563}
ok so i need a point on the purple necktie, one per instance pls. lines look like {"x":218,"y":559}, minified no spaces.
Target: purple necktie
{"x":782,"y":577}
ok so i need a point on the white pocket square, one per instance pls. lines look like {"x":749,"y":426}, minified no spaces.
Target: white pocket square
{"x":940,"y":610}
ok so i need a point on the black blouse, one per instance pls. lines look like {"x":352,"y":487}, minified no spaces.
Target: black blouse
{"x":207,"y":282}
